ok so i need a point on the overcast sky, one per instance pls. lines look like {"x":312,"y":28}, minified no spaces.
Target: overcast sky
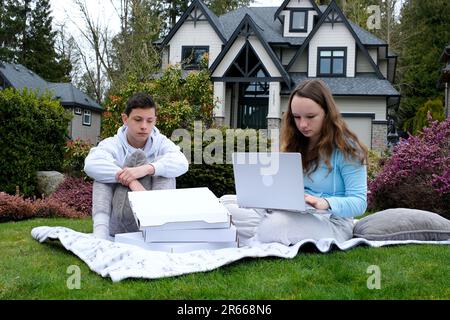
{"x":66,"y":13}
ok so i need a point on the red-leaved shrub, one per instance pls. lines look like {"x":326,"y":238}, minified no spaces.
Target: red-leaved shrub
{"x":14,"y":208}
{"x":75,"y":193}
{"x":418,"y":173}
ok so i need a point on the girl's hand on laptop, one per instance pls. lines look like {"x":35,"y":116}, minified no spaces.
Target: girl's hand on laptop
{"x":318,"y":203}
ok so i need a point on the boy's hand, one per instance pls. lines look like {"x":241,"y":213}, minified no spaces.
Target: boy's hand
{"x":127,"y":175}
{"x":135,"y":185}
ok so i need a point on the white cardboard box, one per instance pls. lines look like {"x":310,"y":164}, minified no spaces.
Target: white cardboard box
{"x":136,"y":238}
{"x":191,"y":208}
{"x":192,"y":235}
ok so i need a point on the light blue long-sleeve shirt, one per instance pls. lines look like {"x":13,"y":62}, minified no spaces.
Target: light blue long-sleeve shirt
{"x":344,"y":187}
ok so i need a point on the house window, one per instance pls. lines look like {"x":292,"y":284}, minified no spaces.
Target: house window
{"x":191,"y":57}
{"x":298,"y":21}
{"x":87,"y":116}
{"x":77,"y":110}
{"x":332,"y":62}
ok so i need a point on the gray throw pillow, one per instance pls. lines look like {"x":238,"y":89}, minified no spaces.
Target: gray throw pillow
{"x":403,"y":224}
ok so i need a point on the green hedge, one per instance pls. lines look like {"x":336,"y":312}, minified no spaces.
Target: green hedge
{"x":32,"y":137}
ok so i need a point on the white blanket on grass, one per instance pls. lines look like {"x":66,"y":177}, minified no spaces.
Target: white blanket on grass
{"x":121,"y":261}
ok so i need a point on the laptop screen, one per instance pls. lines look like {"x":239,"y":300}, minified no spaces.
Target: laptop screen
{"x":269,"y":180}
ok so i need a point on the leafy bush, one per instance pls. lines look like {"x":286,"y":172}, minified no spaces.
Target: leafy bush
{"x":75,"y":193}
{"x":75,"y":152}
{"x":14,"y":208}
{"x":217,"y":175}
{"x":33,"y":131}
{"x":375,"y":165}
{"x":418,"y":173}
{"x":180,"y":100}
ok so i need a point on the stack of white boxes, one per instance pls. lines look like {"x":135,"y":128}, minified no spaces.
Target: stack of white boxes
{"x":180,"y":220}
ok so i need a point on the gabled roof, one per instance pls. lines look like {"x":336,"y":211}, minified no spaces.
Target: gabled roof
{"x":210,"y":16}
{"x":338,"y":17}
{"x":262,"y":16}
{"x":286,"y":2}
{"x":365,"y":36}
{"x":248,"y":21}
{"x":20,"y":77}
{"x":72,"y":96}
{"x":273,"y":30}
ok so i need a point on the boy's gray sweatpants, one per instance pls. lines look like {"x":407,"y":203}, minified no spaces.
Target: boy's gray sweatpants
{"x":111,"y":211}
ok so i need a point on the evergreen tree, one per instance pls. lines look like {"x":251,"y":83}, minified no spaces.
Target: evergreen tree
{"x":424,"y":33}
{"x":38,"y":45}
{"x":12,"y":28}
{"x":220,"y":7}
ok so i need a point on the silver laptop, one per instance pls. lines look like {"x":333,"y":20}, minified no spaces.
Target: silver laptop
{"x":269,"y":180}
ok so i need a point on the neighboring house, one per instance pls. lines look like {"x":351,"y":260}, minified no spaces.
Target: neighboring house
{"x":86,"y":112}
{"x":257,"y":55}
{"x":445,"y":78}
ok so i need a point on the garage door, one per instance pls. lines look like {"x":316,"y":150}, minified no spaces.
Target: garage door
{"x":362,"y":126}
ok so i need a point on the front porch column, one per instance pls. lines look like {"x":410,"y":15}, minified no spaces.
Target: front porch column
{"x":274,"y":113}
{"x":219,"y":97}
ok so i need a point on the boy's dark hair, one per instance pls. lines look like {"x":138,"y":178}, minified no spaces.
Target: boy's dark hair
{"x":139,"y":100}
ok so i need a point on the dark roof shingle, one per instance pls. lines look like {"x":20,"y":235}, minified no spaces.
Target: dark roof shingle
{"x":21,"y":77}
{"x":362,"y":85}
{"x":263,"y":17}
{"x":273,"y":29}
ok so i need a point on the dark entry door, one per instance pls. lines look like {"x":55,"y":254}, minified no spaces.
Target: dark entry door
{"x":252,"y":113}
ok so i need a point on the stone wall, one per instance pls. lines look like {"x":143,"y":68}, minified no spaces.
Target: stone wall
{"x":273,"y":123}
{"x":379,"y":137}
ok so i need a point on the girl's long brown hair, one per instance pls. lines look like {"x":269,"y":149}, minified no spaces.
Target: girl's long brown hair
{"x":335,"y":132}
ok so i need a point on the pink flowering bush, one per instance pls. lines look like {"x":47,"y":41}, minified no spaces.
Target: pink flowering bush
{"x":418,"y":173}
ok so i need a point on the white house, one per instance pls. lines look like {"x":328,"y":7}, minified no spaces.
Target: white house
{"x":257,"y":55}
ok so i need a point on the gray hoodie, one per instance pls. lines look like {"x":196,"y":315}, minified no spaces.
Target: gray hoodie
{"x":105,"y":160}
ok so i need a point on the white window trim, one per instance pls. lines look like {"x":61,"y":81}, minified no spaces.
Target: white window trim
{"x":89,"y":114}
{"x":77,"y":111}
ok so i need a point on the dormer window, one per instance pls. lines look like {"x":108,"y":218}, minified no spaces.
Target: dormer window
{"x":332,"y":62}
{"x":298,"y":21}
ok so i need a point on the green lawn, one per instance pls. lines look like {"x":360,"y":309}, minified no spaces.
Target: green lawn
{"x":30,"y":270}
